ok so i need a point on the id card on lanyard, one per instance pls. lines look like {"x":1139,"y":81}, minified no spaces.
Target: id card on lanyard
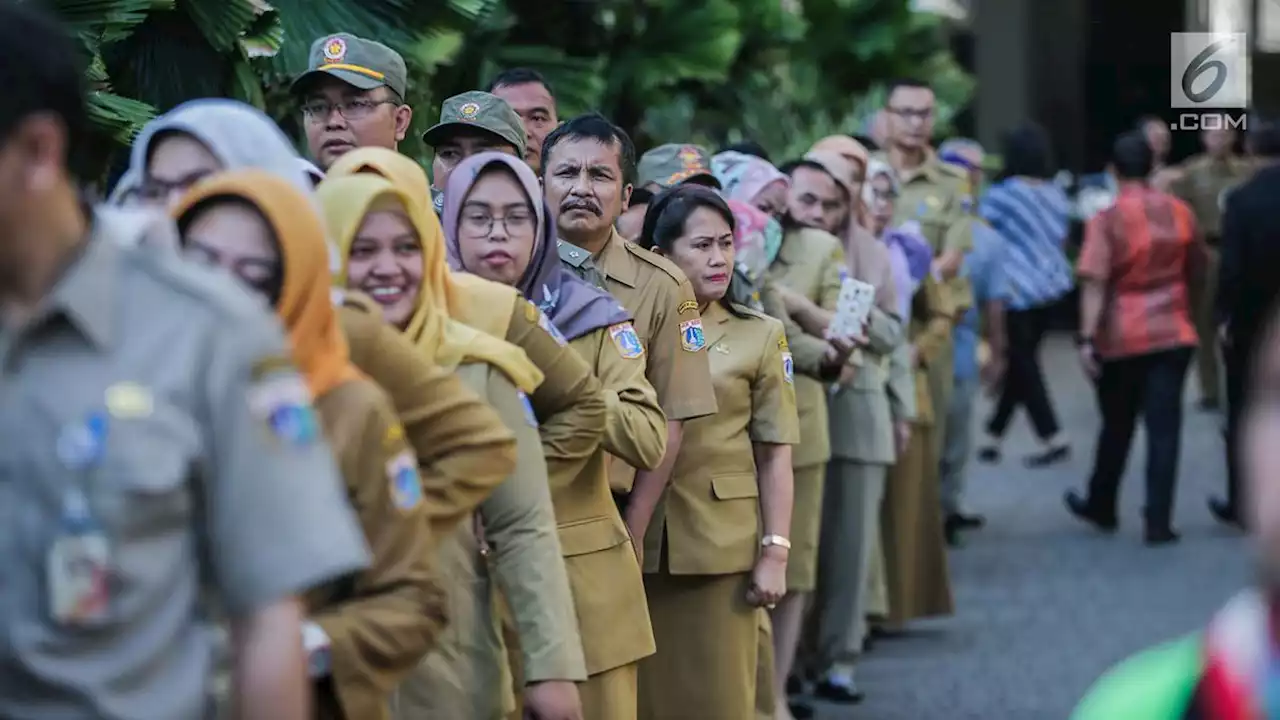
{"x":78,"y":563}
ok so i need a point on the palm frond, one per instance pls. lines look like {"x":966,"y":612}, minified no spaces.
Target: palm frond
{"x":118,"y":117}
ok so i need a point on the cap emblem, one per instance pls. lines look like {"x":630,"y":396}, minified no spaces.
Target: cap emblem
{"x":468,"y":111}
{"x":335,"y":49}
{"x":690,"y":158}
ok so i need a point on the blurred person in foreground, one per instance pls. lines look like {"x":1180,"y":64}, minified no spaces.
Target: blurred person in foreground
{"x":1227,"y":670}
{"x":170,"y":463}
{"x":1136,"y":337}
{"x":985,"y":268}
{"x":1248,"y":286}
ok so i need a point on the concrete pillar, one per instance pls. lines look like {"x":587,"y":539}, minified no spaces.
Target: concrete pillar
{"x":1002,"y":62}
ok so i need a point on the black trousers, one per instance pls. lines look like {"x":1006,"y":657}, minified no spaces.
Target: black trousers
{"x":1024,"y":380}
{"x":1150,"y":384}
{"x":1236,"y":366}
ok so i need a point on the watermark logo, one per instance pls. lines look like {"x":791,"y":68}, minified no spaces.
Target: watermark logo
{"x":1208,"y":71}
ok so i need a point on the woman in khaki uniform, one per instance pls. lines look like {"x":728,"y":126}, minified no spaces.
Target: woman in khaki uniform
{"x":497,"y":226}
{"x":369,"y":218}
{"x":366,"y":632}
{"x":569,"y":404}
{"x":463,"y":449}
{"x":707,"y":565}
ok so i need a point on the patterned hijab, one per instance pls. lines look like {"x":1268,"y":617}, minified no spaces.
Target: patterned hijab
{"x":573,"y":305}
{"x":909,"y":252}
{"x":742,"y":177}
{"x":319,"y":348}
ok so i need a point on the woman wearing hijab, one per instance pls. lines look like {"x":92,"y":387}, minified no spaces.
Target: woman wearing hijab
{"x":917,"y":582}
{"x":463,"y":449}
{"x":862,"y":448}
{"x":462,"y":678}
{"x":718,"y":548}
{"x":365,"y":632}
{"x":569,"y":404}
{"x":497,"y":226}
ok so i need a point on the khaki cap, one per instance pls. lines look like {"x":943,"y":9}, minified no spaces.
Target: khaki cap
{"x":361,"y":63}
{"x":672,"y":164}
{"x":480,"y":111}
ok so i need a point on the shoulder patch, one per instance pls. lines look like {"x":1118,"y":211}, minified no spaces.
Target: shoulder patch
{"x":531,"y":312}
{"x":406,"y":486}
{"x":692,"y":338}
{"x":666,"y":266}
{"x":529,"y":415}
{"x":280,"y":400}
{"x":687,"y":306}
{"x":626,"y":340}
{"x":788,"y":368}
{"x":782,"y":344}
{"x":393,"y":436}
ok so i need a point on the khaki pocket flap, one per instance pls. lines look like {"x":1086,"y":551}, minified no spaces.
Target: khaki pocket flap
{"x":735,"y":487}
{"x":588,"y":536}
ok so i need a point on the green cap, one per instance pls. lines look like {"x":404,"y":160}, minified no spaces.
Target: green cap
{"x":364,"y":64}
{"x":480,"y":111}
{"x":672,"y":164}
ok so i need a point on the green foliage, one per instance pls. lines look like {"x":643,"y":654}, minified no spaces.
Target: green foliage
{"x":780,"y":72}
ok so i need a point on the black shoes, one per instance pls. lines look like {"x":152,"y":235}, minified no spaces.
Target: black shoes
{"x":1047,"y":457}
{"x":989,"y":454}
{"x":955,"y":522}
{"x":1226,"y":513}
{"x":1080,"y":507}
{"x":840,"y":694}
{"x":1157,"y":536}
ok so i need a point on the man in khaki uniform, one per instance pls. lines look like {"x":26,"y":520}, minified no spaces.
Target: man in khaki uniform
{"x":470,"y":123}
{"x":125,"y":371}
{"x":1204,"y":182}
{"x":673,"y":164}
{"x":938,"y":197}
{"x":586,"y":164}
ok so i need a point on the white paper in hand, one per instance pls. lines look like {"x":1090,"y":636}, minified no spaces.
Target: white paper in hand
{"x":852,"y":309}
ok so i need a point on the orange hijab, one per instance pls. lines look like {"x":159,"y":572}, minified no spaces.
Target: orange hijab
{"x":306,"y":308}
{"x":469,"y":299}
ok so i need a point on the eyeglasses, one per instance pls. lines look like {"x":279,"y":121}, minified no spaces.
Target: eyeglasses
{"x":515,"y":222}
{"x":356,"y":109}
{"x":156,"y":190}
{"x":920,"y":114}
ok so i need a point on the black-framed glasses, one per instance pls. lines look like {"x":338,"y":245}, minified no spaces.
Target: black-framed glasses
{"x":920,"y":114}
{"x":354,"y":109}
{"x":516,"y":222}
{"x":260,"y":274}
{"x":158,"y":190}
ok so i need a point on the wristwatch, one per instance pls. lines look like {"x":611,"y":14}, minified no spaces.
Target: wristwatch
{"x":775,"y":540}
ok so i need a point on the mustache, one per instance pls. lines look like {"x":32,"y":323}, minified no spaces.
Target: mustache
{"x":580,"y":204}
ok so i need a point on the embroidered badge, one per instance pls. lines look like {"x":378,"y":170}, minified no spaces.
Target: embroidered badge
{"x":335,"y":49}
{"x":626,"y":340}
{"x":529,"y":415}
{"x":966,"y":204}
{"x":690,"y":158}
{"x":545,"y":323}
{"x":687,"y":306}
{"x":128,"y":400}
{"x":788,"y":368}
{"x":782,"y":344}
{"x":394,"y":434}
{"x":691,"y":336}
{"x":469,"y":111}
{"x":282,"y":402}
{"x":530,"y":312}
{"x":406,"y":486}
{"x":932,"y":202}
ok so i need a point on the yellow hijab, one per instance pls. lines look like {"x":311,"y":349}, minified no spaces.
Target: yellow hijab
{"x":305,"y":307}
{"x":480,"y":303}
{"x":446,"y":341}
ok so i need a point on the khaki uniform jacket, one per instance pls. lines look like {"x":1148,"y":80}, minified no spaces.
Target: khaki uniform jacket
{"x":860,"y":420}
{"x":467,"y":676}
{"x":607,"y":587}
{"x":381,"y":621}
{"x":464,"y":450}
{"x":931,"y":325}
{"x":666,"y":320}
{"x":710,"y":517}
{"x":1204,"y":183}
{"x":809,"y":263}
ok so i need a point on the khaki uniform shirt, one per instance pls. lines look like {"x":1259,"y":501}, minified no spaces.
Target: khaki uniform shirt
{"x":380,"y":622}
{"x":666,"y":320}
{"x":464,"y":450}
{"x":931,"y":325}
{"x":710,"y":518}
{"x":1204,"y":183}
{"x":809,"y":263}
{"x":608,"y":590}
{"x":467,"y":675}
{"x":193,"y":487}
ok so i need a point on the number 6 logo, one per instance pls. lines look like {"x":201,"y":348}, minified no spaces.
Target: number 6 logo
{"x":1201,"y":64}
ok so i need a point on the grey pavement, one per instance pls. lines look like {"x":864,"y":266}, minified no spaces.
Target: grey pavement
{"x":1045,"y":605}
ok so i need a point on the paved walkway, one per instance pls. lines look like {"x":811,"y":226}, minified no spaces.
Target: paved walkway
{"x":1044,"y":605}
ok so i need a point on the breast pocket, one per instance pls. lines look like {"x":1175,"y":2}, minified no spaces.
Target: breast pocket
{"x":145,"y":502}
